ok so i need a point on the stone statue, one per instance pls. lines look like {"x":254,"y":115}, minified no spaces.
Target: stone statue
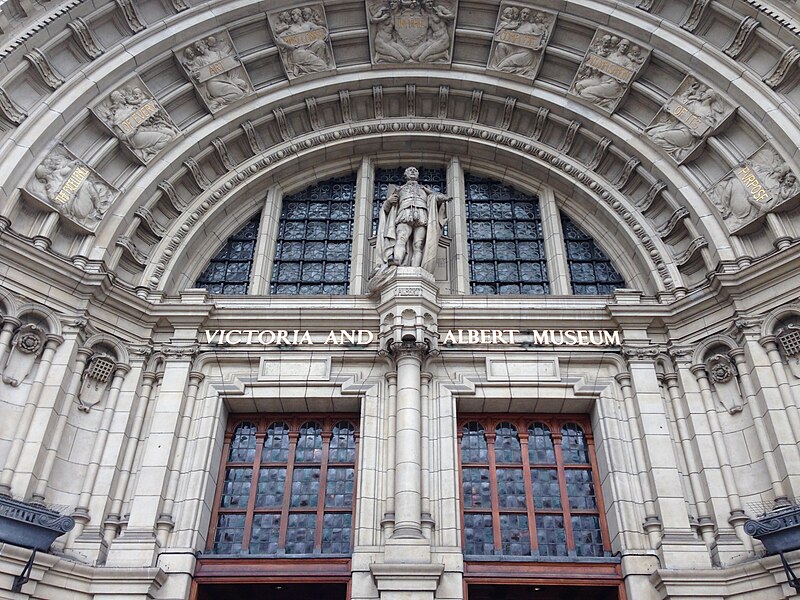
{"x":519,"y":40}
{"x":410,"y":224}
{"x":301,"y":35}
{"x":138,"y":120}
{"x":687,"y":119}
{"x":65,"y":183}
{"x":411,"y":31}
{"x":215,"y":70}
{"x":754,"y":187}
{"x":610,"y":66}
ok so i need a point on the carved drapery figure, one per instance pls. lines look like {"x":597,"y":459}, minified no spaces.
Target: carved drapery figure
{"x":216,"y":70}
{"x":26,"y":347}
{"x":754,"y":187}
{"x":410,"y":224}
{"x":138,"y":120}
{"x":65,"y":183}
{"x":606,"y":73}
{"x":687,"y":119}
{"x":411,"y":30}
{"x":519,"y":40}
{"x":301,"y":35}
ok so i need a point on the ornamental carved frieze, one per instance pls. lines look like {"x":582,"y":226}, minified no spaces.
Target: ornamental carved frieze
{"x":520,"y":38}
{"x":757,"y":185}
{"x":215,"y":70}
{"x":301,"y":35}
{"x":65,"y":183}
{"x":687,"y":119}
{"x":411,"y":31}
{"x":136,"y":118}
{"x":608,"y":69}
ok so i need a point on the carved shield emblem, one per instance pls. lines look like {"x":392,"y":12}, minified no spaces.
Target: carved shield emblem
{"x":411,"y":28}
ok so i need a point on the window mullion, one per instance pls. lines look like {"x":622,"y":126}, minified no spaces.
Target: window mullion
{"x":362,"y":227}
{"x":562,"y":484}
{"x":265,"y":246}
{"x":526,"y":474}
{"x":251,"y":500}
{"x":459,"y":254}
{"x":498,"y":546}
{"x":555,"y":250}
{"x":226,"y":448}
{"x":323,"y":483}
{"x":597,"y":493}
{"x":287,"y":491}
{"x":356,"y":437}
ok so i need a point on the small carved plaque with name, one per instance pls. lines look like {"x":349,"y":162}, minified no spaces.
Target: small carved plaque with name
{"x":754,"y":187}
{"x":520,"y":37}
{"x":687,"y":119}
{"x":610,"y":66}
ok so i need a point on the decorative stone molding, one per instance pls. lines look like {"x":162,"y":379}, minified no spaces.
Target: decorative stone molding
{"x":9,"y":110}
{"x":607,"y":71}
{"x":215,"y":70}
{"x":65,"y":183}
{"x":131,"y":15}
{"x":137,"y":255}
{"x":137,"y":120}
{"x":82,"y":33}
{"x":520,"y":38}
{"x":198,"y":176}
{"x":783,"y":67}
{"x":150,"y":221}
{"x":41,"y":63}
{"x":674,"y":220}
{"x":695,"y":15}
{"x":411,"y":32}
{"x":641,"y":353}
{"x":694,"y":247}
{"x":687,"y":119}
{"x":301,"y":35}
{"x":757,"y":185}
{"x":746,"y":28}
{"x":179,"y":351}
{"x":26,"y":347}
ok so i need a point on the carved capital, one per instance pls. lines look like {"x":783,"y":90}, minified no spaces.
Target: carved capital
{"x":643,"y":353}
{"x":408,"y":349}
{"x":180,"y":351}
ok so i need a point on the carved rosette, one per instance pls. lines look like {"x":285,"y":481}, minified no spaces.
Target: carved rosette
{"x":755,"y":186}
{"x":608,"y":69}
{"x":301,"y":35}
{"x":411,"y":32}
{"x":213,"y":66}
{"x":691,"y":115}
{"x":136,"y":118}
{"x":26,"y":347}
{"x":520,"y":38}
{"x":65,"y":183}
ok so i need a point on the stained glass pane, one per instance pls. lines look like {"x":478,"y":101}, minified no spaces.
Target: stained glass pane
{"x":312,"y":253}
{"x":264,"y":537}
{"x":271,"y":482}
{"x":590,"y":269}
{"x":436,"y":179}
{"x":588,"y":538}
{"x":309,"y":444}
{"x":510,"y":488}
{"x":276,"y":444}
{"x":506,"y":243}
{"x":580,"y":489}
{"x":540,"y":445}
{"x":337,"y":530}
{"x":478,"y":536}
{"x":300,"y":533}
{"x":551,"y":535}
{"x":573,"y":443}
{"x":229,"y":534}
{"x":343,"y":444}
{"x":229,"y":271}
{"x":506,"y":446}
{"x":477,"y":491}
{"x":243,"y":444}
{"x":546,"y":491}
{"x":339,"y":487}
{"x":473,"y":444}
{"x":236,"y":487}
{"x":305,"y":488}
{"x":515,"y":536}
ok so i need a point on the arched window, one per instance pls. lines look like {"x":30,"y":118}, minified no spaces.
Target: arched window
{"x":302,"y":504}
{"x":591,"y":272}
{"x":229,"y":271}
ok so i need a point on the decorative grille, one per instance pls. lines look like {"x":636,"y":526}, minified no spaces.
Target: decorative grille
{"x":591,"y":271}
{"x":101,"y":369}
{"x":229,"y":271}
{"x":789,"y":338}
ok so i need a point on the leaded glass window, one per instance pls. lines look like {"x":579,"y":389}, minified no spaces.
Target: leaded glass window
{"x":529,"y":488}
{"x":302,"y":501}
{"x":436,"y":179}
{"x":590,"y":270}
{"x":312,"y":252}
{"x":229,"y":271}
{"x":505,"y":240}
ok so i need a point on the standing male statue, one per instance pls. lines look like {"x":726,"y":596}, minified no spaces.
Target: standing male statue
{"x":411,"y":221}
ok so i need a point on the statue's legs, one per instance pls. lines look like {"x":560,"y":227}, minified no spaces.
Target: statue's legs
{"x":403,"y":232}
{"x":418,"y":245}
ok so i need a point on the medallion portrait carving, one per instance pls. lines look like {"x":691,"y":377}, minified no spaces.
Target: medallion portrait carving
{"x":754,"y":187}
{"x":64,"y":182}
{"x":136,"y":118}
{"x":689,"y":117}
{"x":520,"y":38}
{"x":611,"y":64}
{"x":215,"y":70}
{"x":301,"y":35}
{"x":411,"y":31}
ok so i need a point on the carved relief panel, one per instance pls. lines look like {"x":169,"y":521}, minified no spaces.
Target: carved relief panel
{"x":215,"y":70}
{"x":26,"y":347}
{"x":754,"y":187}
{"x":520,"y":38}
{"x":137,"y":119}
{"x":64,"y":182}
{"x":724,"y":381}
{"x":411,"y":31}
{"x":689,"y":117}
{"x":788,"y":335}
{"x":301,"y":35}
{"x":605,"y":75}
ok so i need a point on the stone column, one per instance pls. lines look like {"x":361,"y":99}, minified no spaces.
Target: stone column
{"x":770,"y":344}
{"x":459,"y":250}
{"x":391,"y":424}
{"x":10,"y":324}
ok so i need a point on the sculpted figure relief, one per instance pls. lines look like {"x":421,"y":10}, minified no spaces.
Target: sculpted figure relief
{"x":138,"y":120}
{"x":215,"y":70}
{"x":693,"y":114}
{"x":754,"y":187}
{"x":608,"y":69}
{"x":414,"y":31}
{"x":410,"y":225}
{"x":519,"y":40}
{"x":301,"y":35}
{"x":65,"y":183}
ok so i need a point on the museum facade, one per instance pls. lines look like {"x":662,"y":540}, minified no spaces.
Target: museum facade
{"x":399,"y":299}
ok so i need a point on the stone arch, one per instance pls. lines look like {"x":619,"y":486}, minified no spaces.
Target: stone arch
{"x":106,"y":341}
{"x":40,"y":315}
{"x":702,"y":349}
{"x":772,"y":320}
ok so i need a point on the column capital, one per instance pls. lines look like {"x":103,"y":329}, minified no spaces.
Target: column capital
{"x":699,"y":370}
{"x":641,"y":353}
{"x":408,"y":348}
{"x":769,"y":342}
